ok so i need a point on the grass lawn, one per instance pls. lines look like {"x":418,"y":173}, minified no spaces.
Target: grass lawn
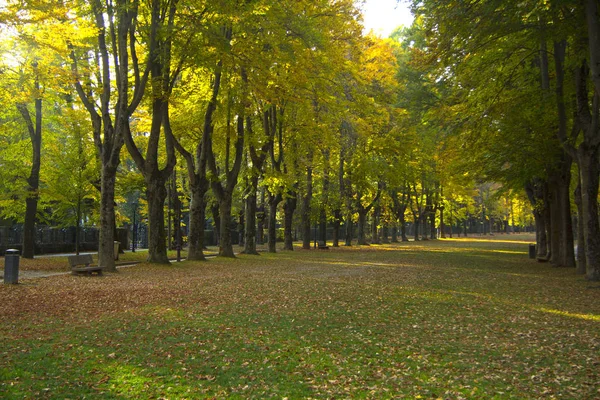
{"x":464,"y":318}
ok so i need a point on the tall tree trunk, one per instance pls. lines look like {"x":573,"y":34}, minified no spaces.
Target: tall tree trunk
{"x":33,"y":181}
{"x":197,"y":217}
{"x":250,"y":229}
{"x":385,"y":231}
{"x":322,"y":225}
{"x":394,"y":234}
{"x":375,"y":225}
{"x":416,"y":227}
{"x":589,"y":196}
{"x":349,"y":230}
{"x":289,"y":206}
{"x":442,"y":225}
{"x":403,"y":228}
{"x":225,"y":242}
{"x":216,"y":215}
{"x":433,"y":234}
{"x":274,"y":201}
{"x":306,"y":210}
{"x":106,"y":255}
{"x":581,"y":264}
{"x":260,"y":216}
{"x":362,"y":222}
{"x":337,"y":221}
{"x":156,"y":193}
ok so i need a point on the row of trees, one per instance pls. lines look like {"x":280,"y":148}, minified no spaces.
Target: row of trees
{"x":522,"y":94}
{"x":236,"y":98}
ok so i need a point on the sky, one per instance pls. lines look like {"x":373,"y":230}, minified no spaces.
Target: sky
{"x":383,"y":16}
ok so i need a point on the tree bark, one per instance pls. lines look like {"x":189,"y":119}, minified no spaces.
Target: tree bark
{"x":337,"y":221}
{"x":33,"y":181}
{"x":156,"y":193}
{"x":197,"y":220}
{"x":274,"y":201}
{"x":581,"y":264}
{"x":375,"y":225}
{"x":250,"y":229}
{"x":289,"y":206}
{"x":225,"y":242}
{"x":362,"y":221}
{"x":588,"y":162}
{"x":306,"y":210}
{"x":349,"y":230}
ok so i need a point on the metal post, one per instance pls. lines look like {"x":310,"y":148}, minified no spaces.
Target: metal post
{"x":11,"y":266}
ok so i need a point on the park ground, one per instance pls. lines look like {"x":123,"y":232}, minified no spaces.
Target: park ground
{"x":459,"y":318}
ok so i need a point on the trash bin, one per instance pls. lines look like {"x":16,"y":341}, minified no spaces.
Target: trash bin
{"x":117,"y":250}
{"x":532,"y":251}
{"x":11,"y":266}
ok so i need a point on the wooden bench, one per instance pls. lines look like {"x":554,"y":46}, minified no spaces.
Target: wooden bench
{"x":82,"y":265}
{"x":322,"y":245}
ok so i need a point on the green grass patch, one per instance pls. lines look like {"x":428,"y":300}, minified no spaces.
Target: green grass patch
{"x":439,"y":319}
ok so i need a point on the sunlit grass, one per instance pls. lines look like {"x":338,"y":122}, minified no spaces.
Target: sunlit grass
{"x":436,"y":319}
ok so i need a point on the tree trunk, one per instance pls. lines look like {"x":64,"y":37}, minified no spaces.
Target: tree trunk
{"x":216,"y":214}
{"x":250,"y":229}
{"x":394,"y":234}
{"x":323,"y":225}
{"x":433,"y":232}
{"x":33,"y":181}
{"x":156,"y":193}
{"x":260,"y":216}
{"x":375,"y":225}
{"x":416,"y":227}
{"x":385,"y":234}
{"x":306,"y":210}
{"x":362,"y":222}
{"x":541,"y":237}
{"x":349,"y":231}
{"x":588,"y":162}
{"x":31,"y":203}
{"x":225,"y":243}
{"x":442,"y":225}
{"x":581,"y":264}
{"x":106,"y":253}
{"x":337,"y":221}
{"x":272,"y":223}
{"x":289,"y":206}
{"x":403,"y":228}
{"x":197,"y":219}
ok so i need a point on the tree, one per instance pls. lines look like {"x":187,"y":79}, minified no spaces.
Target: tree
{"x":114,"y":53}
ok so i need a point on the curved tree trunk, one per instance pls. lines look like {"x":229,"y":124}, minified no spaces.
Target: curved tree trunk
{"x":33,"y":181}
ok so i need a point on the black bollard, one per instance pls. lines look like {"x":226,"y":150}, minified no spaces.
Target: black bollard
{"x":11,"y":266}
{"x":532,"y":251}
